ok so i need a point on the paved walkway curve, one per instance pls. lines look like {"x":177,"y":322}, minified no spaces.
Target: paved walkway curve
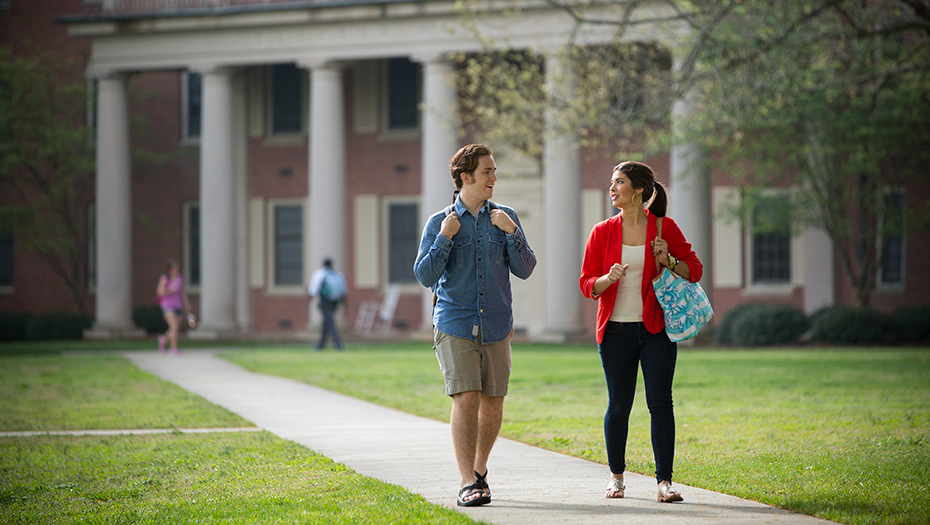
{"x":529,"y":485}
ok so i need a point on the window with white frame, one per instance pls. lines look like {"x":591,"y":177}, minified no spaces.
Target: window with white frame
{"x":288,"y":244}
{"x":403,"y":94}
{"x":771,"y":241}
{"x":287,"y":99}
{"x":191,"y":102}
{"x":891,"y":267}
{"x":403,"y":241}
{"x":192,"y":245}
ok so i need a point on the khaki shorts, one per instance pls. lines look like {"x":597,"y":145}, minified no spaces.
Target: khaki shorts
{"x":468,"y":365}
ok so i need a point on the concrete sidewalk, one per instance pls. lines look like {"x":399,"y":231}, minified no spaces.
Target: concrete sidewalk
{"x":529,"y":485}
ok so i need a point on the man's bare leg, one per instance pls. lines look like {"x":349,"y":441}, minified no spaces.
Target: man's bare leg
{"x":490,"y":416}
{"x":465,"y":431}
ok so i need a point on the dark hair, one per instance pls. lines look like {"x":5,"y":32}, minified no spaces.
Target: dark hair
{"x":327,"y":262}
{"x":172,"y":263}
{"x":465,"y":160}
{"x":642,"y":176}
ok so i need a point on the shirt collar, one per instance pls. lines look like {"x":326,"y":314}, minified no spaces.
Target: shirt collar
{"x":460,"y":208}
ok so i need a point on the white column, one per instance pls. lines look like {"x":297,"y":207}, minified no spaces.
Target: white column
{"x":114,"y":210}
{"x":439,"y":142}
{"x":217,"y":206}
{"x":818,"y":270}
{"x":689,"y":196}
{"x":327,"y":178}
{"x":241,"y":141}
{"x":562,"y":179}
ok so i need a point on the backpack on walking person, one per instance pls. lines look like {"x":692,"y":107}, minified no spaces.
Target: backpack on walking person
{"x":334,"y":286}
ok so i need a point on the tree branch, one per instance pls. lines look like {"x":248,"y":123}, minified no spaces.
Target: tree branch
{"x":780,"y":39}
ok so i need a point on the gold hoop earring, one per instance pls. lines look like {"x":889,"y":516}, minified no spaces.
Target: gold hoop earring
{"x":637,"y":196}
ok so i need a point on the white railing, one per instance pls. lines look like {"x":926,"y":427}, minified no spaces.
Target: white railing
{"x":135,"y":6}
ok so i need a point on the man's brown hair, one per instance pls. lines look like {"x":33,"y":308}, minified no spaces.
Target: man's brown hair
{"x":465,"y":160}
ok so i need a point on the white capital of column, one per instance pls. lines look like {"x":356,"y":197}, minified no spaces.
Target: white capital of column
{"x":113,"y":208}
{"x":327,"y":180}
{"x":562,"y":176}
{"x":439,"y":143}
{"x":217,"y":205}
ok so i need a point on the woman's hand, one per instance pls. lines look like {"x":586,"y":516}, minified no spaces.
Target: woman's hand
{"x":660,"y":250}
{"x":616,"y":273}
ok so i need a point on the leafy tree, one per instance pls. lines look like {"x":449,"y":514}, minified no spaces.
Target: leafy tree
{"x":831,"y":97}
{"x":47,"y":165}
{"x":503,"y":100}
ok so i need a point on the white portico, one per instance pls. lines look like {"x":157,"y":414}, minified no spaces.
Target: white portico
{"x":323,"y":39}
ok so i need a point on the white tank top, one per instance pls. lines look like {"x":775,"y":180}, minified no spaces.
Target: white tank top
{"x":628,"y":307}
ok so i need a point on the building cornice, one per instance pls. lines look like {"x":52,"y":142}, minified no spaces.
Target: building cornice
{"x":265,"y":15}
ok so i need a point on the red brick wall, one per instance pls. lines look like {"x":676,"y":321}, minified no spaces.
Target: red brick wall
{"x":388,"y":165}
{"x":29,"y":29}
{"x":162,"y":185}
{"x":272,"y":313}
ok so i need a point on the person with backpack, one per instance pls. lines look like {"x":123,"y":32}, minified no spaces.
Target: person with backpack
{"x":330,"y":286}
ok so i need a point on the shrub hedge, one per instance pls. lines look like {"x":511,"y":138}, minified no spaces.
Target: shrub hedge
{"x":851,"y":325}
{"x":13,"y":325}
{"x":912,"y":323}
{"x":57,"y":325}
{"x":768,"y":325}
{"x":758,"y":324}
{"x":150,"y":319}
{"x":724,"y":331}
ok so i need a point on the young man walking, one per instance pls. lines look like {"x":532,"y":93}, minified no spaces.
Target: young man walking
{"x":467,"y":253}
{"x":330,"y":285}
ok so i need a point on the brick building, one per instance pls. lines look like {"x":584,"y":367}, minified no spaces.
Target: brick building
{"x":295,"y":131}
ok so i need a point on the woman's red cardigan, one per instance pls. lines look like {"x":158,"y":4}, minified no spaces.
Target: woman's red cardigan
{"x":604,"y":248}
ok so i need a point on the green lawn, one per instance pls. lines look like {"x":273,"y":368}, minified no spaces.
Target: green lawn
{"x":843,"y":434}
{"x":218,"y":478}
{"x":49,"y":392}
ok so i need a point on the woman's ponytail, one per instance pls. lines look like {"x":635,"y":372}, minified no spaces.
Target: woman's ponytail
{"x":659,"y":204}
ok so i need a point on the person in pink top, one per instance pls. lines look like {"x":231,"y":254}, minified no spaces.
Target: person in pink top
{"x":173,"y":302}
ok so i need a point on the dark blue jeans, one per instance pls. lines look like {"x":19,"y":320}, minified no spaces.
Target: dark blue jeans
{"x":626,"y":347}
{"x":328,"y":308}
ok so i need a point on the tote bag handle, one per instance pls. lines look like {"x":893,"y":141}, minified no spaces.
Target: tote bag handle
{"x":658,"y":236}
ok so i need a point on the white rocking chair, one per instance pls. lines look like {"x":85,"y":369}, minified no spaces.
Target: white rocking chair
{"x":378,"y":318}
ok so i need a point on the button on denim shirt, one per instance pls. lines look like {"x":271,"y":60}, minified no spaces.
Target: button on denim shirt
{"x":470,"y":273}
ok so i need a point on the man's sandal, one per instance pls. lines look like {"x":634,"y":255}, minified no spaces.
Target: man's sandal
{"x":482,"y":483}
{"x":470,"y":490}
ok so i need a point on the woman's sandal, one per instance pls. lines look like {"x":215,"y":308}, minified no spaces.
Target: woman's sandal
{"x":615,"y":488}
{"x":667,"y":494}
{"x":474,"y":488}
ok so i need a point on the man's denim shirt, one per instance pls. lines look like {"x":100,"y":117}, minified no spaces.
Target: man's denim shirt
{"x":470,"y":273}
